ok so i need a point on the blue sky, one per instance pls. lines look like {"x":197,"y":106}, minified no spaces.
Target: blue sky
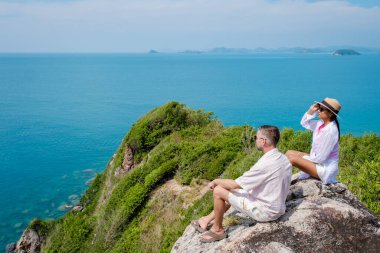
{"x":172,"y":25}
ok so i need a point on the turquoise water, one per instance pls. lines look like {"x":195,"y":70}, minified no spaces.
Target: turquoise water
{"x":63,"y":116}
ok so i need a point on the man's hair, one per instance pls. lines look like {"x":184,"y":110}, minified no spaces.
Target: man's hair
{"x":272,"y":133}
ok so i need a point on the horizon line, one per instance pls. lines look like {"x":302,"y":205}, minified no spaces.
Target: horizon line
{"x":195,"y":50}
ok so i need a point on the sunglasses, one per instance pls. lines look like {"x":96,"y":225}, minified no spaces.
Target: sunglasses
{"x":255,"y":138}
{"x":321,"y":108}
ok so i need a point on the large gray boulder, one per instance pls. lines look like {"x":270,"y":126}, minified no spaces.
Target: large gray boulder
{"x":319,"y":218}
{"x":30,"y":242}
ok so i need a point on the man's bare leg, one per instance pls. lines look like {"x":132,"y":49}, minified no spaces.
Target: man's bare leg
{"x":205,"y":220}
{"x":220,"y":207}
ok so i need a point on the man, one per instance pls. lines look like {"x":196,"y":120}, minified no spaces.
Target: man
{"x":260,"y":192}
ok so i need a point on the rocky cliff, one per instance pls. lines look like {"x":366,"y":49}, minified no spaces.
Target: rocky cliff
{"x":319,"y":218}
{"x":154,"y":185}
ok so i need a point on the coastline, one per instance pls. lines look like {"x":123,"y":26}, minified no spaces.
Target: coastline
{"x":66,"y":114}
{"x":97,"y":196}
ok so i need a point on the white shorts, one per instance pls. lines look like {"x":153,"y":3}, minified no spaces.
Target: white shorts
{"x":327,"y":172}
{"x":239,"y":199}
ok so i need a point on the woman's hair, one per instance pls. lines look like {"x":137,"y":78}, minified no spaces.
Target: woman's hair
{"x":334,"y":118}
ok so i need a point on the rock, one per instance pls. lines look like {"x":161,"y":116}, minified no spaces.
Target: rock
{"x":89,"y":181}
{"x":89,"y":171}
{"x":10,"y":248}
{"x":64,"y":207}
{"x":30,"y":242}
{"x":276,"y":247}
{"x":128,"y":162}
{"x":319,"y":218}
{"x":77,"y":208}
{"x":304,"y":189}
{"x":118,"y":171}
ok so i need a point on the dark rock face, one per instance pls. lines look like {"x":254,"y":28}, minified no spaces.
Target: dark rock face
{"x":128,"y":162}
{"x":10,"y":248}
{"x":30,"y":242}
{"x":78,"y":208}
{"x":319,"y":218}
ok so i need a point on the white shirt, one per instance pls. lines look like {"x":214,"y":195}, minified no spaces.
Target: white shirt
{"x":268,"y":182}
{"x":325,"y":144}
{"x":325,"y":147}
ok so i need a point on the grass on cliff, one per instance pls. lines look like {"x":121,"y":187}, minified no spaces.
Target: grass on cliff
{"x":138,"y":213}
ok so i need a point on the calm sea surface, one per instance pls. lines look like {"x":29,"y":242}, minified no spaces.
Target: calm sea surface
{"x":63,"y":116}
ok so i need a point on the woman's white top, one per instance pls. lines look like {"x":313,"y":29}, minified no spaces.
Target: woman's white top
{"x":324,"y":149}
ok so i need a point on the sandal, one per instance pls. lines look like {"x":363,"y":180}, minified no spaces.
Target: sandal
{"x":195,"y":224}
{"x":214,"y":237}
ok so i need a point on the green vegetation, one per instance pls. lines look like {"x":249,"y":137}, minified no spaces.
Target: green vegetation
{"x":162,"y":121}
{"x":140,"y":213}
{"x":360,"y":168}
{"x":42,"y":227}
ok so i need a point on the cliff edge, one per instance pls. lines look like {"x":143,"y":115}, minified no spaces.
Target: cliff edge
{"x":154,"y":185}
{"x":319,"y":218}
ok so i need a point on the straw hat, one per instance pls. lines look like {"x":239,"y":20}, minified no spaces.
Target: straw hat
{"x":331,"y":104}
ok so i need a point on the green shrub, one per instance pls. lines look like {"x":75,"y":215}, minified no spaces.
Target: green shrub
{"x":118,"y":219}
{"x":129,"y":242}
{"x":364,"y":180}
{"x":162,"y":172}
{"x":291,"y":140}
{"x":165,"y":153}
{"x":41,"y":227}
{"x":359,"y":168}
{"x":201,"y":207}
{"x":70,"y":234}
{"x":91,"y":196}
{"x":241,"y":164}
{"x":161,"y":122}
{"x":209,"y":157}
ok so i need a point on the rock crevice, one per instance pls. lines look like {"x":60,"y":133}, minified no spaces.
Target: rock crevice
{"x":128,"y":162}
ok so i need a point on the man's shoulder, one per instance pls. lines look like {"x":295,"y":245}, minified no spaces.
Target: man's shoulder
{"x":274,"y":153}
{"x":278,"y":157}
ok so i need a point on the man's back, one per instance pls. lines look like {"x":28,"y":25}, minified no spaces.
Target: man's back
{"x":268,"y":182}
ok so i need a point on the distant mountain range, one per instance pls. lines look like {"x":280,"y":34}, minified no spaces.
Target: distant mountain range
{"x":283,"y":50}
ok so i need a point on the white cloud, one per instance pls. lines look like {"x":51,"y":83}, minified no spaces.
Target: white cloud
{"x":116,"y":25}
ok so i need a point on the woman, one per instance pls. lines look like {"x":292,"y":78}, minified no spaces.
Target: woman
{"x":322,"y":162}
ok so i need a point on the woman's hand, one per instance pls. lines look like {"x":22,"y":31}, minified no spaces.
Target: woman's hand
{"x":313,"y":109}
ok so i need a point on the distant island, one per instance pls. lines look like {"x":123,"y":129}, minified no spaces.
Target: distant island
{"x":334,"y":50}
{"x":191,"y":52}
{"x":341,"y":52}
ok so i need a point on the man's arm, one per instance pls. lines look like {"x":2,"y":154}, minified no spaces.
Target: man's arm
{"x":227,"y":184}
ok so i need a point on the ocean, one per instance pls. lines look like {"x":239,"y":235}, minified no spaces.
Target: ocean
{"x":62,"y":116}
